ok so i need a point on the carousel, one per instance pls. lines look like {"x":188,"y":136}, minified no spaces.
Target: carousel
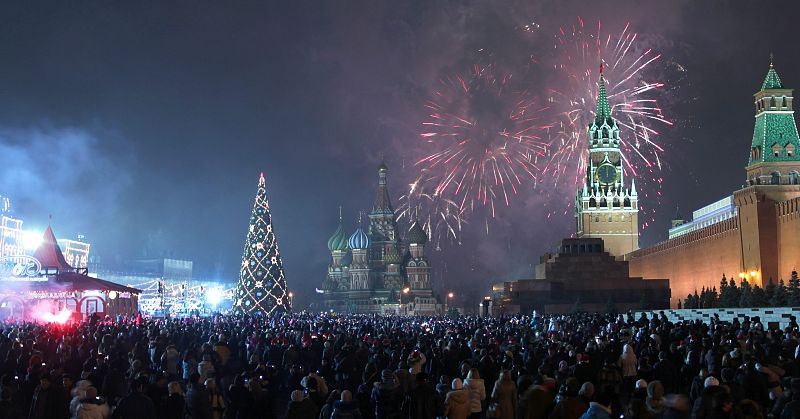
{"x":45,"y":288}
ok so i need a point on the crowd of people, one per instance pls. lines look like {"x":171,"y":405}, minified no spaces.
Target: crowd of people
{"x":308,"y":366}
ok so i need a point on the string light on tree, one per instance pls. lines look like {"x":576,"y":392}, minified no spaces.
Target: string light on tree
{"x":262,"y":286}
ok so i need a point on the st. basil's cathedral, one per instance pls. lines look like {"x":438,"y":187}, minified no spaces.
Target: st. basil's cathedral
{"x":373,"y":271}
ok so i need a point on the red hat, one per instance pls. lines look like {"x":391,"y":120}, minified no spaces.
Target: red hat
{"x":585,"y":358}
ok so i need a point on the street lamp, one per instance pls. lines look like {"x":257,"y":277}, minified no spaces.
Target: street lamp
{"x":291,"y":297}
{"x":447,"y":304}
{"x":406,"y":290}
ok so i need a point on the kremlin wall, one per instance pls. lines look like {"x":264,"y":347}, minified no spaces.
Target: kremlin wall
{"x":758,"y":236}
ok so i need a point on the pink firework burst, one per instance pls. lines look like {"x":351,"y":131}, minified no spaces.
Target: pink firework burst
{"x":484,"y":134}
{"x":633,"y":96}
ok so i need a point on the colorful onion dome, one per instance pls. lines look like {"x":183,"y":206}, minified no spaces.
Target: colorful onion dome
{"x":338,"y":240}
{"x":392,"y":256}
{"x":359,"y":240}
{"x":416,"y":235}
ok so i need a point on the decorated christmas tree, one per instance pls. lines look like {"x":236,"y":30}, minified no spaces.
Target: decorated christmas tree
{"x":262,"y":285}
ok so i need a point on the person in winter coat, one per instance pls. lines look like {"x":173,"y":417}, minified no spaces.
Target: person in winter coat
{"x":422,"y":400}
{"x":170,"y":361}
{"x":416,"y":360}
{"x":45,"y":403}
{"x":504,"y":394}
{"x":240,"y":401}
{"x":78,"y":394}
{"x":93,"y":407}
{"x":536,"y":402}
{"x":216,"y":399}
{"x":571,"y":406}
{"x":300,"y":407}
{"x":387,"y":396}
{"x":600,"y":408}
{"x":457,"y":402}
{"x":198,"y":402}
{"x":327,"y":408}
{"x":136,"y":405}
{"x":477,"y":393}
{"x":627,"y":364}
{"x":655,"y":398}
{"x":345,"y":408}
{"x":174,"y":406}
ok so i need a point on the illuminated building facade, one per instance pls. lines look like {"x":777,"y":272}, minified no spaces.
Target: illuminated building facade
{"x":373,"y":271}
{"x":755,"y":233}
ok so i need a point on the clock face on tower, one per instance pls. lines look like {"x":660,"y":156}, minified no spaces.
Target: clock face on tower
{"x":607,"y":173}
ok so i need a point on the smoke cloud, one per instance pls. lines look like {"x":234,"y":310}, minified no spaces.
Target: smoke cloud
{"x":65,"y":173}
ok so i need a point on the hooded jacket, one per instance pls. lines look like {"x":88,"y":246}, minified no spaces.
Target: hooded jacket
{"x":477,"y":393}
{"x":457,"y":404}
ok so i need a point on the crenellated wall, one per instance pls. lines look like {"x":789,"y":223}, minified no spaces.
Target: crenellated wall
{"x":692,"y":261}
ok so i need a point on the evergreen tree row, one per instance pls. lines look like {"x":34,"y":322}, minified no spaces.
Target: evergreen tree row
{"x":745,"y":295}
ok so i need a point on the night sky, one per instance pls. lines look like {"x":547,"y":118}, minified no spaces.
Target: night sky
{"x":144,"y":125}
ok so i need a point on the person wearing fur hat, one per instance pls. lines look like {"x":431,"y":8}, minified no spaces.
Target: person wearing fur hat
{"x":457,"y":403}
{"x":387,"y":396}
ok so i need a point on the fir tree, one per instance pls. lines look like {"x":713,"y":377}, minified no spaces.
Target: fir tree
{"x":687,"y":303}
{"x":713,"y":298}
{"x":262,"y":286}
{"x":703,"y":298}
{"x":745,"y":294}
{"x":779,"y":297}
{"x":759,"y":296}
{"x":724,"y":293}
{"x":734,"y":294}
{"x":793,"y":298}
{"x":769,"y":292}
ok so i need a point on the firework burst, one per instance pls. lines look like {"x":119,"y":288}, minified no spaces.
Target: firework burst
{"x":634,"y":99}
{"x":485,"y":136}
{"x":440,"y":217}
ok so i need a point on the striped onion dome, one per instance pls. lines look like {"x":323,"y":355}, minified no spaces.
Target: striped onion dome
{"x":359,"y":240}
{"x":338,"y":240}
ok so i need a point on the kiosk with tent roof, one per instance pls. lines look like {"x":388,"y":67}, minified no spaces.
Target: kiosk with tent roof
{"x":44,"y":287}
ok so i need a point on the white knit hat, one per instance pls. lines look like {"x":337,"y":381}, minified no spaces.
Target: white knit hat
{"x":456,"y":384}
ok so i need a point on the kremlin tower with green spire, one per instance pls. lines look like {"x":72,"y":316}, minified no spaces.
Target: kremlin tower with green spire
{"x":605,"y":207}
{"x":373,"y":271}
{"x":752,"y":235}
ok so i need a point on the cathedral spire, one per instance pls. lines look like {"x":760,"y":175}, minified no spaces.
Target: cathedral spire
{"x":382,"y":201}
{"x":603,"y":111}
